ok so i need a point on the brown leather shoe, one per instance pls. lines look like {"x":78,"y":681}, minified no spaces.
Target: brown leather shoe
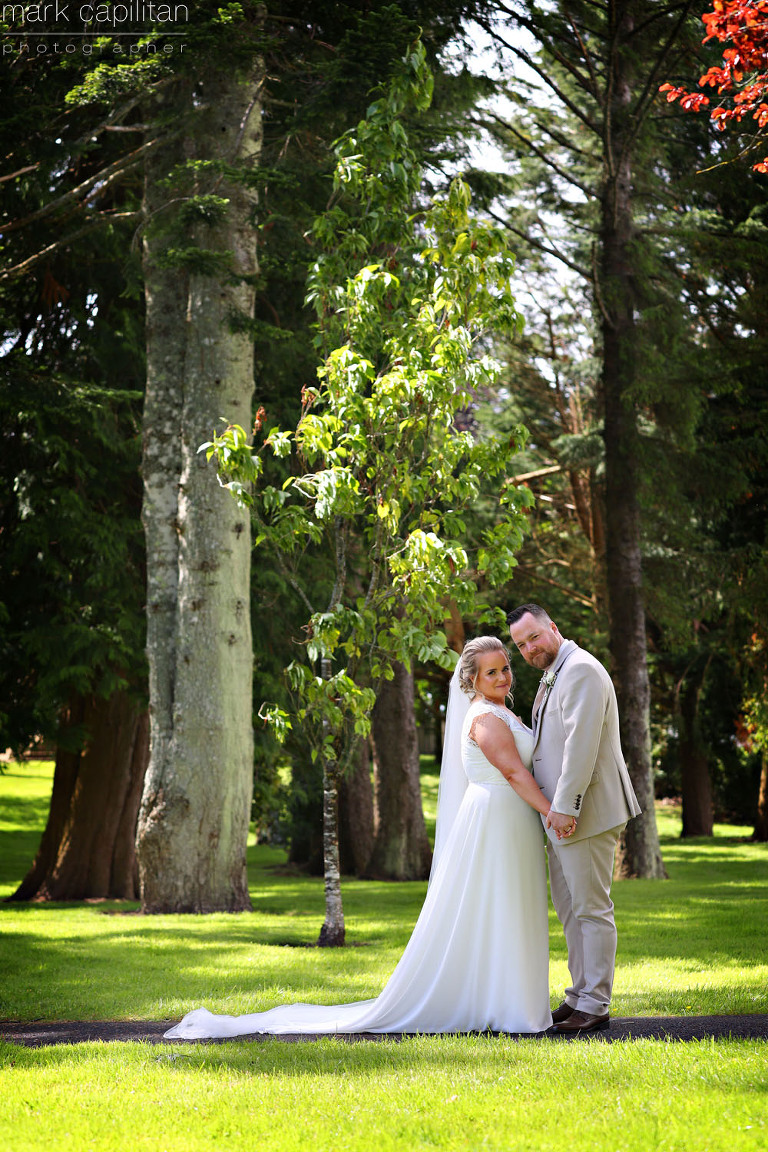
{"x":562,"y":1013}
{"x":579,"y":1022}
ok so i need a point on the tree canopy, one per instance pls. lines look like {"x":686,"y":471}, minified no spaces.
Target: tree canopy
{"x":633,"y":506}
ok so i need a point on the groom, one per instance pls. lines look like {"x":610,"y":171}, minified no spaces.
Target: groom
{"x":578,"y":765}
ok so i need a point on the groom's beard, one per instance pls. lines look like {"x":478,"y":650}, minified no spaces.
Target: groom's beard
{"x":543,"y":660}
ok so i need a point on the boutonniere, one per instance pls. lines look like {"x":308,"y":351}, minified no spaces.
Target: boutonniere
{"x":548,"y":680}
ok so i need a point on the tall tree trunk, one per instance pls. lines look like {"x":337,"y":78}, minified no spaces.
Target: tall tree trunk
{"x":401,"y":850}
{"x":639,"y":853}
{"x":333,"y":932}
{"x":195,"y":811}
{"x":356,"y":814}
{"x":87,"y":848}
{"x":696,"y":787}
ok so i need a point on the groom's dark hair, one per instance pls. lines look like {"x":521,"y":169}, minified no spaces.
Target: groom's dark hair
{"x":534,"y":609}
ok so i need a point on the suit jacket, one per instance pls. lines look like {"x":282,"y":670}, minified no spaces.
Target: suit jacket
{"x":577,"y":758}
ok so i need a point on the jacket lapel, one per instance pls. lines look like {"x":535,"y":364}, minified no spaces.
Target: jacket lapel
{"x":537,"y":703}
{"x":542,"y":696}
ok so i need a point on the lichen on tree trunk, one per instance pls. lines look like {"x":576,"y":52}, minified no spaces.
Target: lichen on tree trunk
{"x":195,"y":811}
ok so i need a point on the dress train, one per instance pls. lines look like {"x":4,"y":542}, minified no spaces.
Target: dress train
{"x":478,"y":958}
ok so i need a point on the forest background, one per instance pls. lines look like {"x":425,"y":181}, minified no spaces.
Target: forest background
{"x":165,"y":213}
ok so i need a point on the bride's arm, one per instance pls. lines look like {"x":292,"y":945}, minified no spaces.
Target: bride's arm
{"x":497,"y":744}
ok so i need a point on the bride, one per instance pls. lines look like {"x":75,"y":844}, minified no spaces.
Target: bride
{"x":478,"y":956}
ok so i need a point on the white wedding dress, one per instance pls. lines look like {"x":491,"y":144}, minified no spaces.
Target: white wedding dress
{"x":478,"y":956}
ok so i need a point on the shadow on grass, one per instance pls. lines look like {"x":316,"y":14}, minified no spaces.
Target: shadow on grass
{"x":271,"y":1056}
{"x":25,"y":812}
{"x":145,"y":968}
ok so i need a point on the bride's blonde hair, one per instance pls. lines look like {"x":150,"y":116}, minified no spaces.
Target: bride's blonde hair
{"x":469,"y":669}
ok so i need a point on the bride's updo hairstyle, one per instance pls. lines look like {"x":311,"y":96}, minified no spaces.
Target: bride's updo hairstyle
{"x":469,"y":669}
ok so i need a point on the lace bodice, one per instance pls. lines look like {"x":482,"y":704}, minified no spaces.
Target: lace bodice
{"x":478,"y":769}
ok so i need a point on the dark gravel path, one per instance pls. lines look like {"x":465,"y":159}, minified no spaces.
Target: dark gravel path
{"x":41,"y":1034}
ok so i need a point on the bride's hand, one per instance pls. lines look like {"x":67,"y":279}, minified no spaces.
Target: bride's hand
{"x":561,"y":824}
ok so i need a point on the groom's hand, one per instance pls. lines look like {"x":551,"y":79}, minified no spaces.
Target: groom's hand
{"x":561,"y":824}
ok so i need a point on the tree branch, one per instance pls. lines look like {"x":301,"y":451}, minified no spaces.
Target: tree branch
{"x":549,"y":45}
{"x":586,"y":54}
{"x":115,"y":117}
{"x":541,"y":247}
{"x":88,"y":189}
{"x":564,"y":588}
{"x":562,"y":140}
{"x":522,"y":477}
{"x":28,"y":264}
{"x":18,"y":172}
{"x":589,"y":192}
{"x":531,"y":63}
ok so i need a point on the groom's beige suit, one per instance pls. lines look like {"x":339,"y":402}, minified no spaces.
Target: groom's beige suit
{"x":578,"y":764}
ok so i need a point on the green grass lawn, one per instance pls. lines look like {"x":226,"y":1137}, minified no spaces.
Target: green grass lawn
{"x":695,"y":944}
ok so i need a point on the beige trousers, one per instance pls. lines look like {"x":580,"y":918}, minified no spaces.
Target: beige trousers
{"x":580,"y":875}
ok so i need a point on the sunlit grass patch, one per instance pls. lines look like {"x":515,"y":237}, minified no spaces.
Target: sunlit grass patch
{"x":445,"y":1092}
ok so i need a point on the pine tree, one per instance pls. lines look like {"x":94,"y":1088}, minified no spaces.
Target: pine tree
{"x":599,"y":64}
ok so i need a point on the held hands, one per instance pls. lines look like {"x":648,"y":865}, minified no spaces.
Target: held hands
{"x":563,"y":826}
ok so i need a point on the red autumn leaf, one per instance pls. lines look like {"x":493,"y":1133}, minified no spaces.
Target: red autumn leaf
{"x":741,"y":26}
